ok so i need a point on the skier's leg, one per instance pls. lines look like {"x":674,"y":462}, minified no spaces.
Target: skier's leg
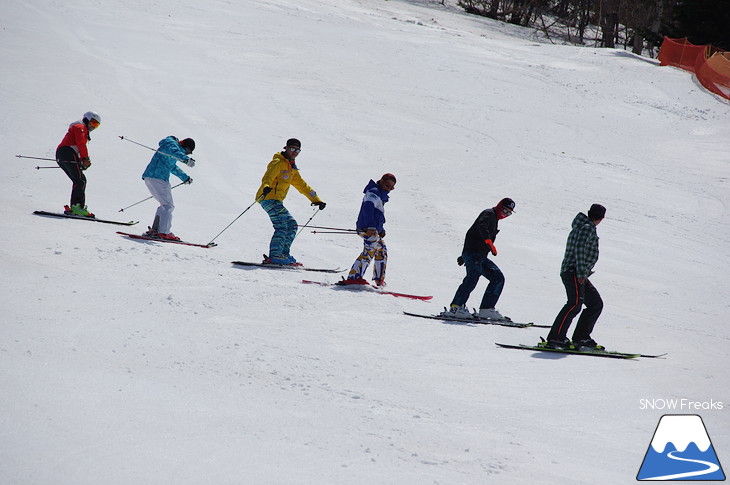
{"x":277,"y":213}
{"x":162,"y":193}
{"x":496,"y":284}
{"x":363,"y":260}
{"x":381,"y":262}
{"x":589,"y":316}
{"x":574,"y":292}
{"x":68,"y":160}
{"x":472,"y":263}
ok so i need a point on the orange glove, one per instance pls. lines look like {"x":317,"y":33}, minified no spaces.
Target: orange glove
{"x":491,"y":246}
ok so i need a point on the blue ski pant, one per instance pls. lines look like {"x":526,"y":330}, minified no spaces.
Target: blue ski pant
{"x":478,"y":265}
{"x":285,"y":228}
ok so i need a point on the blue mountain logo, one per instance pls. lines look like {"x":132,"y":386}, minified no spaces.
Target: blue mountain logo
{"x":681,"y":450}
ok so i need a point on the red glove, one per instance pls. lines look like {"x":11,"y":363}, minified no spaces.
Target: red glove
{"x":491,"y":246}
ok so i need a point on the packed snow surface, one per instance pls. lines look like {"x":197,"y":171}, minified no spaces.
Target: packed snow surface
{"x":127,"y":362}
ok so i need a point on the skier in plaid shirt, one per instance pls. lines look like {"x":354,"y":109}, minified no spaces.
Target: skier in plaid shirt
{"x":581,"y":254}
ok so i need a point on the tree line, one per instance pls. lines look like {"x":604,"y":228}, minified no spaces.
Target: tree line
{"x":641,"y":24}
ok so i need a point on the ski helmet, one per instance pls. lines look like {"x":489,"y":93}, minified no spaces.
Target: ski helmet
{"x":92,"y":115}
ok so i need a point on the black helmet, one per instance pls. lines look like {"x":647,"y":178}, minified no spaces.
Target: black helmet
{"x":188,"y":144}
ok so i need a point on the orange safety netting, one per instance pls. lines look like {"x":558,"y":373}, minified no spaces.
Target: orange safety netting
{"x":714,"y":74}
{"x":679,"y":53}
{"x":710,"y":65}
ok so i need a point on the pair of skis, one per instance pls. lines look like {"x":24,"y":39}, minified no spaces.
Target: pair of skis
{"x":121,"y":223}
{"x":537,"y":348}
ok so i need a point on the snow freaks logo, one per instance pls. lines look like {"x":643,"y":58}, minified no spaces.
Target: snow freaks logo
{"x":681,"y":450}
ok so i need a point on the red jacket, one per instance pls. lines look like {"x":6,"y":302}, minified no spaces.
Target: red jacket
{"x":76,"y":138}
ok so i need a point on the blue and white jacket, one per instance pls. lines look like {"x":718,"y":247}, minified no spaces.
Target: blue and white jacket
{"x":372,"y":213}
{"x":161,"y":165}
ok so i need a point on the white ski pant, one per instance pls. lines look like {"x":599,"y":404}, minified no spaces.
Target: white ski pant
{"x":162,"y":192}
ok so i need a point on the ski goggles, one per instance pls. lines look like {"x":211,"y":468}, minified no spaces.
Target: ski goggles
{"x":295,"y":149}
{"x":93,"y":124}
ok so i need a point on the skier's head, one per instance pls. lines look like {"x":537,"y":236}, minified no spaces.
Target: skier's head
{"x":188,"y":145}
{"x":505,"y":208}
{"x":292,"y":148}
{"x":597,"y":212}
{"x":387,"y":182}
{"x":92,"y":120}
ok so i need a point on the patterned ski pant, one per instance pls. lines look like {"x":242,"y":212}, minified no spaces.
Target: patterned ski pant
{"x":373,"y":248}
{"x":285,"y":228}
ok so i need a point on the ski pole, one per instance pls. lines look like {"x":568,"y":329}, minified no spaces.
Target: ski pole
{"x":36,"y":158}
{"x":234,"y":220}
{"x":335,"y":232}
{"x":305,"y":225}
{"x":148,"y":198}
{"x":38,"y":168}
{"x":330,"y":228}
{"x":150,"y":148}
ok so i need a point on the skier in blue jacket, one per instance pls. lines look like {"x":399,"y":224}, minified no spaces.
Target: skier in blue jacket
{"x":369,"y":225}
{"x":157,"y":178}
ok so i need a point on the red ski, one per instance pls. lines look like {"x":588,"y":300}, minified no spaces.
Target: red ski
{"x":157,"y":239}
{"x":371,"y":288}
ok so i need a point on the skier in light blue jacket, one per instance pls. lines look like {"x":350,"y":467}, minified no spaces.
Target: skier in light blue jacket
{"x":157,"y":178}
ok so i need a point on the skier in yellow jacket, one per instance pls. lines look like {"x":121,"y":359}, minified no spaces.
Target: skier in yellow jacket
{"x":282,"y":173}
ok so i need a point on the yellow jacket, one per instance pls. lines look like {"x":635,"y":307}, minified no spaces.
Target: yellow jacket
{"x":280,"y":174}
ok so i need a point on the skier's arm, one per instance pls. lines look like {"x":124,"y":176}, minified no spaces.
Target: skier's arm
{"x":581,"y":249}
{"x":298,"y":182}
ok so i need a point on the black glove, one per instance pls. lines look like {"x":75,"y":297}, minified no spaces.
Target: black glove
{"x":85,"y":163}
{"x":382,"y":233}
{"x":320,"y":204}
{"x":266,"y":191}
{"x":460,"y":261}
{"x":189,"y":181}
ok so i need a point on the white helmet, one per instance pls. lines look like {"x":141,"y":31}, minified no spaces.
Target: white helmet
{"x":92,"y":115}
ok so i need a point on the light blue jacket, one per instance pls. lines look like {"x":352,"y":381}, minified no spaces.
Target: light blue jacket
{"x":161,"y":165}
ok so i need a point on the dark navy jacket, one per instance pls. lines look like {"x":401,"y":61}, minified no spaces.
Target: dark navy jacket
{"x":372,"y":213}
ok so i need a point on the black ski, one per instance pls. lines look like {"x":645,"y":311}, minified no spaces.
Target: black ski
{"x":82,"y":218}
{"x":503,"y":323}
{"x":285,"y":267}
{"x":595,"y":353}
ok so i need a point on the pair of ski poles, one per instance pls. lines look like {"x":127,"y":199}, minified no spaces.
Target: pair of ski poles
{"x":39,"y":158}
{"x":331,"y":230}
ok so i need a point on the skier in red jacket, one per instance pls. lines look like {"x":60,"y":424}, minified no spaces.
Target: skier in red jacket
{"x":73,"y":158}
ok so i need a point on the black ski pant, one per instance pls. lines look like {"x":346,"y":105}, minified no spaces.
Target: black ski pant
{"x":578,"y":295}
{"x":68,"y":160}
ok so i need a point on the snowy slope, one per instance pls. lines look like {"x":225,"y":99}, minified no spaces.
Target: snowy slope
{"x":130,"y":362}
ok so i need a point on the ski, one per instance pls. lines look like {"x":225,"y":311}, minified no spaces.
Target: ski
{"x":82,"y":218}
{"x":596,"y":353}
{"x":370,"y":288}
{"x":285,"y":267}
{"x":477,"y":320}
{"x":157,"y":239}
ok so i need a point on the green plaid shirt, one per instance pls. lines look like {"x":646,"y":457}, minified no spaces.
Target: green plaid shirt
{"x":581,"y":250}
